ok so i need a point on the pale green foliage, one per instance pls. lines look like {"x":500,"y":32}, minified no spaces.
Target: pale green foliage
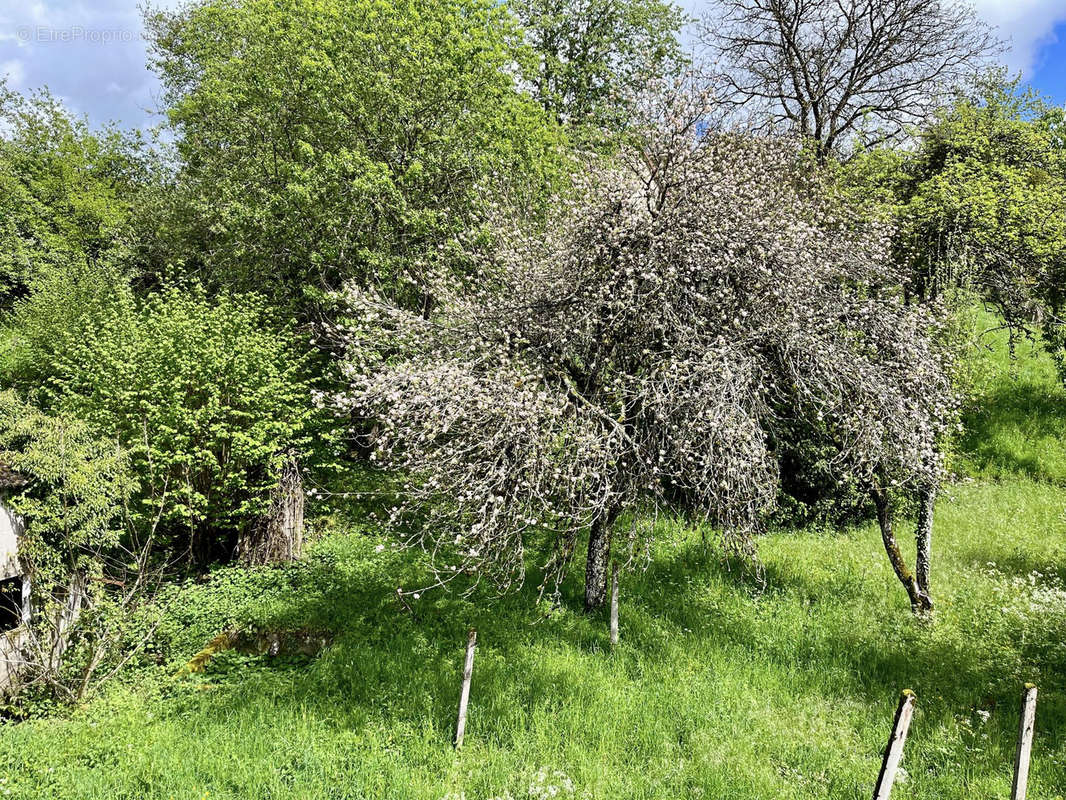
{"x":323,"y":141}
{"x":204,"y":394}
{"x":89,"y":563}
{"x":67,"y":302}
{"x":77,"y":487}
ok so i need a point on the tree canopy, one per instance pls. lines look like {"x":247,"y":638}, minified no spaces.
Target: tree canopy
{"x":642,"y":349}
{"x":592,"y":56}
{"x":322,"y":142}
{"x":984,"y":203}
{"x":67,"y":192}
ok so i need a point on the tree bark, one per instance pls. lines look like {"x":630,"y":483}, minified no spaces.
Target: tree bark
{"x":924,"y":540}
{"x":598,"y":558}
{"x":279,"y":536}
{"x":920,"y":603}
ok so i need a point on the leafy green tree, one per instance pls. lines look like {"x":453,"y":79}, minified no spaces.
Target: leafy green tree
{"x":323,"y":141}
{"x":983,"y":205}
{"x":66,"y":191}
{"x":593,"y":54}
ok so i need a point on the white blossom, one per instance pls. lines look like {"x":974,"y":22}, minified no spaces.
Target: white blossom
{"x":645,"y":346}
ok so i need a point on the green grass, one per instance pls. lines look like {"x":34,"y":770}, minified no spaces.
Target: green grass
{"x":1018,"y":426}
{"x":719,"y":689}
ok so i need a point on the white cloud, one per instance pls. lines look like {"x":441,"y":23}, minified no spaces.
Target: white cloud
{"x":91,"y":51}
{"x":1027,"y":25}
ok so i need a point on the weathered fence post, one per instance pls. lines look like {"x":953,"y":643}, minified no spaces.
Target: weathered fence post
{"x":614,"y":605}
{"x":894,"y":750}
{"x":464,"y":696}
{"x":1025,"y":743}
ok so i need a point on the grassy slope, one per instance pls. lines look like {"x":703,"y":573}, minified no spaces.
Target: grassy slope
{"x":718,"y":690}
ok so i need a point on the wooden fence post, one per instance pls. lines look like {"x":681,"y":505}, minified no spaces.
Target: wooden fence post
{"x":464,"y":696}
{"x":1025,"y":743}
{"x":614,"y":605}
{"x":894,"y":750}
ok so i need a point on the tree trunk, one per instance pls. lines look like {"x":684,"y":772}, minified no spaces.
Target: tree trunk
{"x":919,"y":603}
{"x":278,"y":537}
{"x":596,"y":566}
{"x":924,"y":540}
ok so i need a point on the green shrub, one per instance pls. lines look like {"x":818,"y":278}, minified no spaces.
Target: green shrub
{"x":205,"y":394}
{"x":76,"y":487}
{"x":75,"y":549}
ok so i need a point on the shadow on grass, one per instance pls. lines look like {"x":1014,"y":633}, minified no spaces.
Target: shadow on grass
{"x":391,"y":669}
{"x":876,"y":655}
{"x":1034,"y":413}
{"x":387,"y":664}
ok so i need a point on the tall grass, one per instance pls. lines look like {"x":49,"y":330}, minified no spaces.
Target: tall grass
{"x":1016,"y":423}
{"x":722,"y":687}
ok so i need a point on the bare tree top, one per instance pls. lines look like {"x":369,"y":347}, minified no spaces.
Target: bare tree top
{"x":837,"y":71}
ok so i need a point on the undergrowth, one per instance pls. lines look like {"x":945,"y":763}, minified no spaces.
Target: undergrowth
{"x":722,"y":687}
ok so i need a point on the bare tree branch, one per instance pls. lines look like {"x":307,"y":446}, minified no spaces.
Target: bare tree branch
{"x":837,"y":72}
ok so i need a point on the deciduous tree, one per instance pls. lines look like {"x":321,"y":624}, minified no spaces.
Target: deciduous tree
{"x":983,"y":206}
{"x":207,"y":397}
{"x":66,"y":191}
{"x":591,"y":55}
{"x":643,"y":349}
{"x":321,"y":142}
{"x":835,"y":71}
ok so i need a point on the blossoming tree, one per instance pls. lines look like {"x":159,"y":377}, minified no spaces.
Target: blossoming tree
{"x":642,"y":349}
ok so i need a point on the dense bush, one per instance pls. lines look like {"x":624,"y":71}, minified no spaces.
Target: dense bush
{"x":77,"y":485}
{"x":76,"y":545}
{"x":205,"y":394}
{"x":981,"y":206}
{"x":984,"y":203}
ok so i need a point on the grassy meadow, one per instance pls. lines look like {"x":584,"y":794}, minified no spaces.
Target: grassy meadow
{"x":720,"y":688}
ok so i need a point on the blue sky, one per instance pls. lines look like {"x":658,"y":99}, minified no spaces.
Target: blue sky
{"x":1049,"y":72}
{"x":91,"y":53}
